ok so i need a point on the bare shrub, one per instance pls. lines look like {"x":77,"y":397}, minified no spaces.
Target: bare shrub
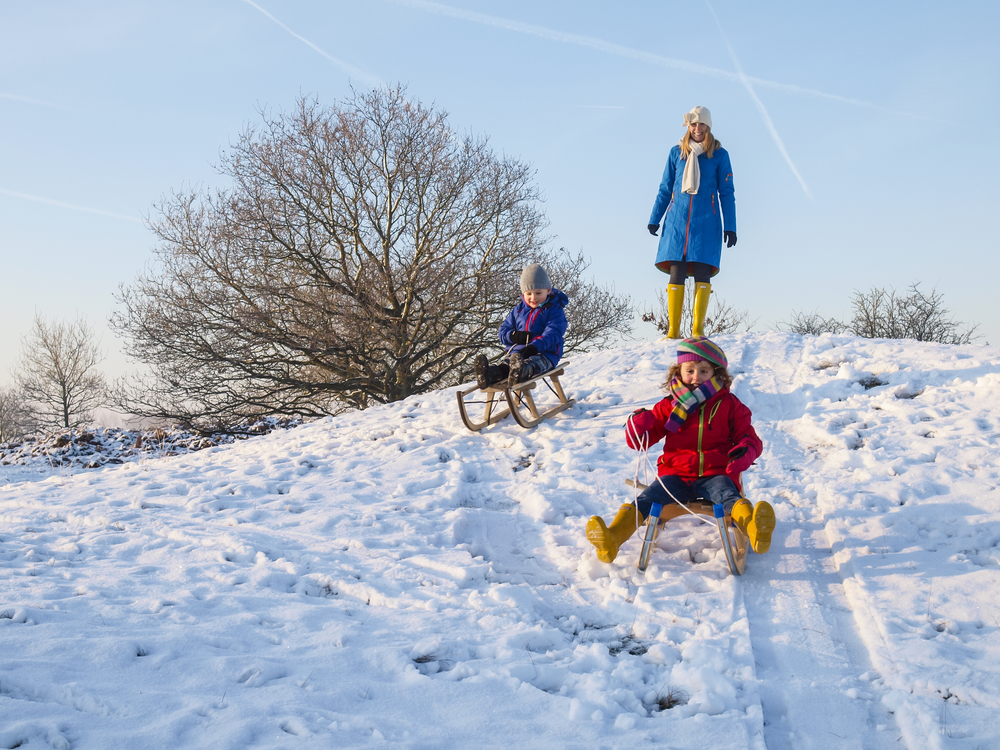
{"x":57,"y":375}
{"x":722,"y":318}
{"x":364,"y":253}
{"x":884,"y":314}
{"x":812,"y":324}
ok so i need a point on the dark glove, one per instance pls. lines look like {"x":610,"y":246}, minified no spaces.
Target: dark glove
{"x":738,"y":452}
{"x":520,"y":337}
{"x":730,"y":238}
{"x":739,"y":461}
{"x":653,"y":227}
{"x":529,"y":351}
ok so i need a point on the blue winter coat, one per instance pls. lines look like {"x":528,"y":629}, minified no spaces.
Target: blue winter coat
{"x":547,"y":324}
{"x":693,"y":230}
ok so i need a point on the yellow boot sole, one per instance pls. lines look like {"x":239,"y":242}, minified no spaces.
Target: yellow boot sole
{"x":597,"y":534}
{"x":760,"y":527}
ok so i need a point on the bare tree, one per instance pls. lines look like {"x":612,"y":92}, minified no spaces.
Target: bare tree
{"x":596,"y":316}
{"x":17,"y":419}
{"x":364,"y":253}
{"x":57,"y":374}
{"x":722,"y":317}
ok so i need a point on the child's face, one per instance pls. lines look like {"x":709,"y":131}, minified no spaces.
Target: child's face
{"x":535,"y":297}
{"x":694,"y":373}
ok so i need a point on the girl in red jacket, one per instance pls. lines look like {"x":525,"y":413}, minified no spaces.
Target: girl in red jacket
{"x":708,"y":441}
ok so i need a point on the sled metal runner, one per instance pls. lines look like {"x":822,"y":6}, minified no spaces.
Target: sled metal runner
{"x":734,"y":541}
{"x":517,"y":398}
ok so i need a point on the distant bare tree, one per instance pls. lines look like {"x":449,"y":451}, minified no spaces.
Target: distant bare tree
{"x":57,"y":374}
{"x":812,"y":324}
{"x":884,"y":314}
{"x":364,"y":253}
{"x":722,"y":318}
{"x":17,"y":419}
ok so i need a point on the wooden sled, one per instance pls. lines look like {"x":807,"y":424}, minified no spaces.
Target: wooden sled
{"x":517,"y":398}
{"x":734,"y":541}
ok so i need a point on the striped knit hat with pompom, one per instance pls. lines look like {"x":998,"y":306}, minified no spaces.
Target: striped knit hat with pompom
{"x":701,"y":347}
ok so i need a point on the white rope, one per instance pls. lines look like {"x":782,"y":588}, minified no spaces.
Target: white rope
{"x":644,"y":460}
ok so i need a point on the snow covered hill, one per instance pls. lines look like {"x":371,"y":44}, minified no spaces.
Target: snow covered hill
{"x":387,"y":578}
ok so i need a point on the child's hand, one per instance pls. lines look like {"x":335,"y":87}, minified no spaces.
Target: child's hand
{"x":529,"y":351}
{"x":520,"y":337}
{"x":740,"y":460}
{"x":738,"y":452}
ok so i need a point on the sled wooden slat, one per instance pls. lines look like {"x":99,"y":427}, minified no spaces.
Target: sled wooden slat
{"x":522,"y":392}
{"x":734,"y":541}
{"x":490,"y":416}
{"x":516,"y":398}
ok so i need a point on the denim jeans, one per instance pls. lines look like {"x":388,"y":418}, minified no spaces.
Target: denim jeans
{"x":532,"y":366}
{"x":716,"y":489}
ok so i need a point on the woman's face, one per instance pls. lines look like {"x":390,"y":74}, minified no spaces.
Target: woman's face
{"x":694,"y":373}
{"x":698,"y":131}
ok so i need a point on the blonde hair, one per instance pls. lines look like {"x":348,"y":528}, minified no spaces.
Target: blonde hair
{"x":725,"y":379}
{"x":709,"y":144}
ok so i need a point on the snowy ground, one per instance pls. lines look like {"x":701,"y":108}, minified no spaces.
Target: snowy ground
{"x":387,"y":578}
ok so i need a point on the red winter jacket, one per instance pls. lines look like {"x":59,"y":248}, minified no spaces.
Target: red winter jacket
{"x":700,"y":448}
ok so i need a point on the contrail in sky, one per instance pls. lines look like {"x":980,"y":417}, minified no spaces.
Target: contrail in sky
{"x":369,"y":78}
{"x":634,"y":54}
{"x":27,"y":100}
{"x":760,"y":105}
{"x":51,"y":202}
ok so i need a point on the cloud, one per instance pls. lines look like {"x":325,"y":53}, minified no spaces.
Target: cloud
{"x":60,"y":204}
{"x":370,"y":78}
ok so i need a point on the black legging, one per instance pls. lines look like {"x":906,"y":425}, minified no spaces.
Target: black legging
{"x":702,"y":272}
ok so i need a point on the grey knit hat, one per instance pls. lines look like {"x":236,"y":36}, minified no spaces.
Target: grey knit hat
{"x":534,"y":277}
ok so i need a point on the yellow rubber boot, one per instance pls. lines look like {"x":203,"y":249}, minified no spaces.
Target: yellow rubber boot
{"x":757,"y":522}
{"x":675,"y":306}
{"x":607,"y":539}
{"x":702,"y":291}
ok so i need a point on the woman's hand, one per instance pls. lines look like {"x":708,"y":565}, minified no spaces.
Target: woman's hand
{"x":652,"y":228}
{"x":730,"y":238}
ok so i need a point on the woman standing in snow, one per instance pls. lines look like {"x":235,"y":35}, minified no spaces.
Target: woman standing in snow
{"x":692,"y":194}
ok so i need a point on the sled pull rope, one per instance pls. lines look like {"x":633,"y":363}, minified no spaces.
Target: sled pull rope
{"x":645,"y":462}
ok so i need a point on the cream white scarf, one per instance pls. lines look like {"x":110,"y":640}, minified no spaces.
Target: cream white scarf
{"x":692,"y":172}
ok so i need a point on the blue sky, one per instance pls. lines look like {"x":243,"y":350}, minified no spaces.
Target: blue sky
{"x":862,"y":135}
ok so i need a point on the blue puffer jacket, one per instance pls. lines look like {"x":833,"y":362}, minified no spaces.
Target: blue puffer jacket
{"x":546,"y":323}
{"x":693,"y":230}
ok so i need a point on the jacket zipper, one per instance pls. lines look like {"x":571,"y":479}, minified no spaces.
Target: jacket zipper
{"x":687,"y":231}
{"x":701,"y":432}
{"x":713,"y":203}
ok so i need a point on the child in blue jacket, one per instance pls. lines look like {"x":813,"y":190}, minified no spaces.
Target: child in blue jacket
{"x":533,"y":333}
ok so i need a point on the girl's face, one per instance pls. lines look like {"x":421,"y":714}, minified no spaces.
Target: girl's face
{"x":535,"y":297}
{"x":698,"y":131}
{"x":695,"y":373}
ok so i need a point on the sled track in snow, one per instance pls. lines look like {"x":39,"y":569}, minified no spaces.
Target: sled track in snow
{"x":816,"y":678}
